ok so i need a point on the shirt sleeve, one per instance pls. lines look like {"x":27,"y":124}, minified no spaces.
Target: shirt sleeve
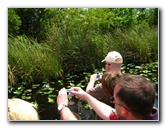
{"x":113,"y":116}
{"x":98,"y":93}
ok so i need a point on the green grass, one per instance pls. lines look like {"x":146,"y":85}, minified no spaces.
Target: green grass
{"x":31,"y":62}
{"x":77,"y":51}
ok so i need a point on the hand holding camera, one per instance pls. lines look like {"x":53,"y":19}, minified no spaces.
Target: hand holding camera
{"x":99,"y":76}
{"x":69,"y":92}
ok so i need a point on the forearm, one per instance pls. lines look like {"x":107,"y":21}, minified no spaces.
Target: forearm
{"x":62,"y":102}
{"x":90,"y":85}
{"x":100,"y":108}
{"x":66,"y":114}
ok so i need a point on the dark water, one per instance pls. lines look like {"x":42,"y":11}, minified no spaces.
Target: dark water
{"x":50,"y":111}
{"x":82,"y":111}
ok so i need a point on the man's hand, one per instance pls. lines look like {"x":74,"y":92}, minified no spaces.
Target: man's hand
{"x":62,"y":97}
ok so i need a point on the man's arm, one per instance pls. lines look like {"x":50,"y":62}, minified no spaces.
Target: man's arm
{"x":100,"y":108}
{"x":103,"y":110}
{"x":65,"y":112}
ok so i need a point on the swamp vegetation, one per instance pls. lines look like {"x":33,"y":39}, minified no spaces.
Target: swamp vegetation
{"x":52,"y":48}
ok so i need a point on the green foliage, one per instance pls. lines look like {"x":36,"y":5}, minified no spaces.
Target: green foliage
{"x":76,"y":41}
{"x":35,"y":22}
{"x":148,"y":70}
{"x":14,"y":22}
{"x":49,"y":91}
{"x":83,"y":36}
{"x":149,"y":15}
{"x":29,"y":61}
{"x":38,"y":22}
{"x":137,"y":45}
{"x":61,"y":47}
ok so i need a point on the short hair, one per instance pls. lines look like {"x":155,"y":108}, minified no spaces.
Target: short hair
{"x":138,"y":94}
{"x":19,"y":109}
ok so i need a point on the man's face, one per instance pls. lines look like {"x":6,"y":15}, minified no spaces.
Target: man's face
{"x":107,"y":66}
{"x":118,"y":103}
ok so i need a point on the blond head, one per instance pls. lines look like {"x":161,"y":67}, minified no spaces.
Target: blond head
{"x":19,"y":109}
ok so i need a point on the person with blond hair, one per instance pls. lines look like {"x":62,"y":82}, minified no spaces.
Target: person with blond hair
{"x":19,"y":109}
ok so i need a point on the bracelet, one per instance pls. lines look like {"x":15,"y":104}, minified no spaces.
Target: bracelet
{"x":61,"y":106}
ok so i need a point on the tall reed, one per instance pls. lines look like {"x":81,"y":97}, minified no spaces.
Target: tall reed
{"x":31,"y":62}
{"x":137,"y":45}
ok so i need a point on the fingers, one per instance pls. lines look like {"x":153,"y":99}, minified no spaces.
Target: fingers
{"x":77,"y":97}
{"x":77,"y":91}
{"x":76,"y":88}
{"x":62,"y":97}
{"x":62,"y":91}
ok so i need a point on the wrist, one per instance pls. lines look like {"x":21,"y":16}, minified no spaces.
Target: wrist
{"x":87,"y":97}
{"x":62,"y":106}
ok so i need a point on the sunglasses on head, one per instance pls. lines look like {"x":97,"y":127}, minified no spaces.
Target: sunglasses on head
{"x":113,"y":102}
{"x":107,"y":64}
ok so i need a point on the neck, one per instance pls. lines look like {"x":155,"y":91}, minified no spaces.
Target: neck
{"x":132,"y":117}
{"x":115,"y":68}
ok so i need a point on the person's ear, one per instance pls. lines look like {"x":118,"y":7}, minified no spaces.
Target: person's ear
{"x":123,"y":111}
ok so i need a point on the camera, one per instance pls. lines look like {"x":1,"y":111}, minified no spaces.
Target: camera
{"x":69,"y":92}
{"x":99,"y":76}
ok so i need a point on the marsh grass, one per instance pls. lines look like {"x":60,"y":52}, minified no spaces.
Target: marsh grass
{"x":29,"y":61}
{"x":137,"y":45}
{"x":80,"y":50}
{"x":68,"y":59}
